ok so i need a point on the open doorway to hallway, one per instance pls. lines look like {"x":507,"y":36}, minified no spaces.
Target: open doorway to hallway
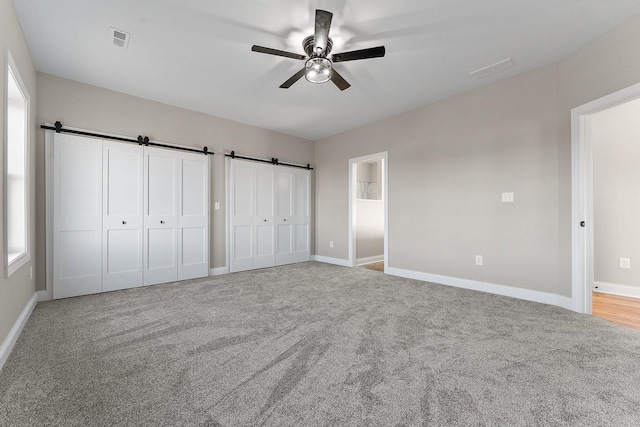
{"x":605,"y":238}
{"x":368,"y":211}
{"x":615,"y":135}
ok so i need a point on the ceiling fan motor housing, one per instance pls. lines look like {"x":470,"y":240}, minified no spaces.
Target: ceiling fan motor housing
{"x":308,"y":43}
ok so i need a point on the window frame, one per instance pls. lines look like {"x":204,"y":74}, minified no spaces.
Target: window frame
{"x":11,"y":69}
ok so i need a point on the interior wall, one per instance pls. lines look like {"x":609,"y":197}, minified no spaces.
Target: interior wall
{"x":369,"y":211}
{"x":616,"y":193}
{"x":89,"y":107}
{"x":450,"y":161}
{"x":369,"y":229}
{"x":16,"y":290}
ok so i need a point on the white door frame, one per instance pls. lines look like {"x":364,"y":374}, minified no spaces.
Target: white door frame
{"x":384,"y":156}
{"x":582,"y":193}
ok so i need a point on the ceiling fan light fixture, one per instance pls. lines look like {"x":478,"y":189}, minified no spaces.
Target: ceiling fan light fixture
{"x":318,"y":70}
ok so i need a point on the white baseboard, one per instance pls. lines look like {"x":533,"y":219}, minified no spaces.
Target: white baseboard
{"x":329,"y":260}
{"x":369,"y":259}
{"x":509,"y":291}
{"x":218,"y":271}
{"x":14,"y":333}
{"x":42,"y":296}
{"x":565,"y":302}
{"x":616,"y":289}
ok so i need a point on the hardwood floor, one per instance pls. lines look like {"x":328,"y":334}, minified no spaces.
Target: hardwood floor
{"x":377,"y":266}
{"x":622,"y":311}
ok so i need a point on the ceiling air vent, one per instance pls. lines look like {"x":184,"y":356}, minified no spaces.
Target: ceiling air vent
{"x":120,"y":38}
{"x":493,"y":68}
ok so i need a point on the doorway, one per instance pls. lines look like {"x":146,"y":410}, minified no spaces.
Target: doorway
{"x":368,"y":211}
{"x":603,"y":245}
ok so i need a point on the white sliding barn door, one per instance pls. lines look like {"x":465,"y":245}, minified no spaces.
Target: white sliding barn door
{"x":160,"y":216}
{"x":301,"y":217}
{"x":269,"y":211}
{"x":77,"y":217}
{"x":122,"y":215}
{"x":292,"y":217}
{"x":252,"y":234}
{"x":193,"y":216}
{"x":284,"y":215}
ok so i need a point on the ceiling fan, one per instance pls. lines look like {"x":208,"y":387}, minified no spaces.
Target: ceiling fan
{"x":319,"y":65}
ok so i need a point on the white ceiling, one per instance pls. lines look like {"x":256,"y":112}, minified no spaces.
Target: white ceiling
{"x":197,"y":54}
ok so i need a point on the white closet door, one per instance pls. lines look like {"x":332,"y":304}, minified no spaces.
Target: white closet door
{"x":251,"y":216}
{"x":293,"y":216}
{"x":160,"y":216}
{"x":77,"y":218}
{"x":193,"y":218}
{"x":284,"y":216}
{"x":122,"y":216}
{"x":264,"y":226}
{"x":301,"y":218}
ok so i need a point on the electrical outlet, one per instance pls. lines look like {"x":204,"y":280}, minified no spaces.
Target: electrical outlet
{"x":330,"y":243}
{"x":507,"y":197}
{"x":216,"y":206}
{"x":479,"y":260}
{"x":625,"y":263}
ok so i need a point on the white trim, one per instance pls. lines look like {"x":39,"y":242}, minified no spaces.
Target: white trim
{"x":369,"y":259}
{"x":492,"y":288}
{"x":617,"y":289}
{"x":48,"y":170}
{"x":384,"y":156}
{"x":14,"y":333}
{"x":329,"y":260}
{"x":43,"y":296}
{"x":227,"y":211}
{"x":218,"y":271}
{"x":582,"y":194}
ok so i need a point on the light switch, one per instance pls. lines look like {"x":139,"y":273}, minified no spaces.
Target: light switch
{"x":507,"y":197}
{"x":216,"y":206}
{"x":625,"y":263}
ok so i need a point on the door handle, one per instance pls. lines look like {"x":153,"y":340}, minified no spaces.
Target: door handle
{"x":265,"y":220}
{"x":285,"y":220}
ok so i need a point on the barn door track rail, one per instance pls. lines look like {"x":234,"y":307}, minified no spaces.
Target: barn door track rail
{"x":140,"y":140}
{"x":273,"y":161}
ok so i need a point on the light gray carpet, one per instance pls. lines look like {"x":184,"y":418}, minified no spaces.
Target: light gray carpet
{"x":317,"y":345}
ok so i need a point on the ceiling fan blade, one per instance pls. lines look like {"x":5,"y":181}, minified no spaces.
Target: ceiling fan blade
{"x":372,"y":52}
{"x":321,"y":36}
{"x":297,"y":76}
{"x":339,"y":81}
{"x":269,"y":51}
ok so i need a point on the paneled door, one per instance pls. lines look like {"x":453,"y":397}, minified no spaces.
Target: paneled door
{"x":252,"y":209}
{"x":77,"y":217}
{"x":160,"y":216}
{"x":301,"y":218}
{"x":193,"y":216}
{"x":284,"y":215}
{"x":122,"y":237}
{"x":292,"y":217}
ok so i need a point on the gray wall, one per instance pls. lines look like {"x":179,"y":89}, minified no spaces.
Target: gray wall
{"x":16,"y":290}
{"x":369,"y":228}
{"x":616,"y":193}
{"x":450,"y":161}
{"x":89,"y":107}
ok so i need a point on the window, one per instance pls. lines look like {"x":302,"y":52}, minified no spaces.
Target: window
{"x":16,"y":171}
